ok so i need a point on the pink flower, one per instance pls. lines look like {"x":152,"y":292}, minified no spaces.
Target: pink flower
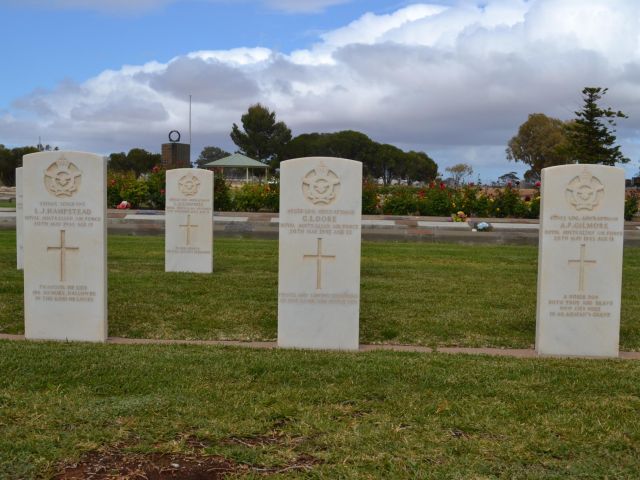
{"x":538,"y":184}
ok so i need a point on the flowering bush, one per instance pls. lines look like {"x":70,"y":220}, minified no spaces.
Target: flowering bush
{"x":253,"y":197}
{"x":630,"y":205}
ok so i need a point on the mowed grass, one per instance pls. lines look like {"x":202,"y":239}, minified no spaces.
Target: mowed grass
{"x":412,"y":293}
{"x":366,"y":415}
{"x":7,"y":204}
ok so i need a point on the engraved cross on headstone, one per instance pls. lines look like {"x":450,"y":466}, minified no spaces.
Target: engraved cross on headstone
{"x":63,"y":253}
{"x":189,"y":226}
{"x":318,"y":257}
{"x":582,"y":262}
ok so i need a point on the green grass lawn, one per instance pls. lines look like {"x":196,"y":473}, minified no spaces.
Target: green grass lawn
{"x":7,"y":204}
{"x":318,"y":414}
{"x":416,"y":293}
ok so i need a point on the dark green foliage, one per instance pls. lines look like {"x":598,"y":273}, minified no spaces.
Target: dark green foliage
{"x":370,"y":199}
{"x":402,"y":201}
{"x":378,"y":160}
{"x":210,"y":154}
{"x":261,"y":137}
{"x":592,"y":133}
{"x":630,"y":205}
{"x":10,"y":159}
{"x":137,"y":160}
{"x":541,"y":142}
{"x":221,"y":194}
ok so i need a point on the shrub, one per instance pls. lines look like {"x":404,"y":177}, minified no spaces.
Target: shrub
{"x":370,"y":199}
{"x":437,"y":200}
{"x":630,"y":205}
{"x":256,"y":197}
{"x":402,"y":201}
{"x":221,"y":194}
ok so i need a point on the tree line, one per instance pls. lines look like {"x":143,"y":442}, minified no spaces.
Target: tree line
{"x":544,"y":141}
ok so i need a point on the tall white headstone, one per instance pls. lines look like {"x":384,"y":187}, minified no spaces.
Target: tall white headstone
{"x":19,"y":220}
{"x":189,"y":221}
{"x":65,"y":257}
{"x":319,"y":258}
{"x":580,"y":261}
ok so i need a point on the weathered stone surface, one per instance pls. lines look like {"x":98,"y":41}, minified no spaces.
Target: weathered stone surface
{"x":65,"y":261}
{"x":580,"y":260}
{"x":319,"y":259}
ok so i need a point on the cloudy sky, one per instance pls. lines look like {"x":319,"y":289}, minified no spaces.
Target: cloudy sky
{"x":452,"y":78}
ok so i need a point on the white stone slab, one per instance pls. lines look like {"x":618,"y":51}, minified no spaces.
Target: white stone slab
{"x":65,"y":261}
{"x":378,"y":223}
{"x":275,"y":220}
{"x":319,"y":258}
{"x":447,"y":225}
{"x":19,"y":220}
{"x":232,"y":219}
{"x":189,"y":221}
{"x":144,"y":216}
{"x":580,"y":260}
{"x":7,"y":214}
{"x":514,"y":226}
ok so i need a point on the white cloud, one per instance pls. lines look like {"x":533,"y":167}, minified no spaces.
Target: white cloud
{"x":455,"y":82}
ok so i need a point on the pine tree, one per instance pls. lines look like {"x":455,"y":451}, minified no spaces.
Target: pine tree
{"x":592,"y":133}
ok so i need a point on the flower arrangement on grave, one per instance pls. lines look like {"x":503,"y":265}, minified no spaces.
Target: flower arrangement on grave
{"x":459,"y":217}
{"x":123,"y":205}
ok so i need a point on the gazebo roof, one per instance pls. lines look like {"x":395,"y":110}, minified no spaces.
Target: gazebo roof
{"x":237,"y":160}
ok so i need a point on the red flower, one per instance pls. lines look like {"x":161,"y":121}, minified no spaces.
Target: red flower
{"x":442,"y":186}
{"x":421,"y":193}
{"x":509,"y":184}
{"x":538,"y":184}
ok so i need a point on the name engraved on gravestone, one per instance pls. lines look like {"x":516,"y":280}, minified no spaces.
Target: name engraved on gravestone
{"x":189,"y":221}
{"x":65,"y":246}
{"x":19,"y":220}
{"x":580,"y":260}
{"x":319,"y":260}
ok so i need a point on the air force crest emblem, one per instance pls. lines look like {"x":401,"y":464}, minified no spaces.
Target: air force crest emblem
{"x":585,"y":191}
{"x":62,"y":178}
{"x":321,"y":186}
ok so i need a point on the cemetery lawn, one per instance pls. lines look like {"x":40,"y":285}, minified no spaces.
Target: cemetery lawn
{"x":316,"y":414}
{"x":412,"y":293}
{"x":7,"y":204}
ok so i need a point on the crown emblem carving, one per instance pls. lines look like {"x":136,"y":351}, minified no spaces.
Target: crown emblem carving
{"x":321,"y":185}
{"x":62,"y":178}
{"x":584,"y":192}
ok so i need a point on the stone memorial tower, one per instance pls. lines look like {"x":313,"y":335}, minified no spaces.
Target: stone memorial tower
{"x":174,"y":153}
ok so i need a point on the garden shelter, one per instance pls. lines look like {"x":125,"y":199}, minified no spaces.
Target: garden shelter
{"x":238,"y":161}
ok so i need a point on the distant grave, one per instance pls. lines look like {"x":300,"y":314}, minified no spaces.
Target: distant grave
{"x":189,"y":221}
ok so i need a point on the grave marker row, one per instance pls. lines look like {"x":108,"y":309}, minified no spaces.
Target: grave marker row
{"x":579,"y":272}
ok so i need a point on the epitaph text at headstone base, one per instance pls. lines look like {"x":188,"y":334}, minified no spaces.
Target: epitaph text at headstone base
{"x":189,"y":221}
{"x":65,"y":263}
{"x":580,"y":260}
{"x":319,"y":253}
{"x":19,"y":220}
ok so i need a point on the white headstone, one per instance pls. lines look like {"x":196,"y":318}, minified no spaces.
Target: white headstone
{"x":319,"y":260}
{"x":19,"y":220}
{"x":65,"y":260}
{"x":580,"y":261}
{"x":189,"y":221}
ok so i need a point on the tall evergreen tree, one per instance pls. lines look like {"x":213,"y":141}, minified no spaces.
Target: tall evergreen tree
{"x":592,"y":134}
{"x":262,"y":137}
